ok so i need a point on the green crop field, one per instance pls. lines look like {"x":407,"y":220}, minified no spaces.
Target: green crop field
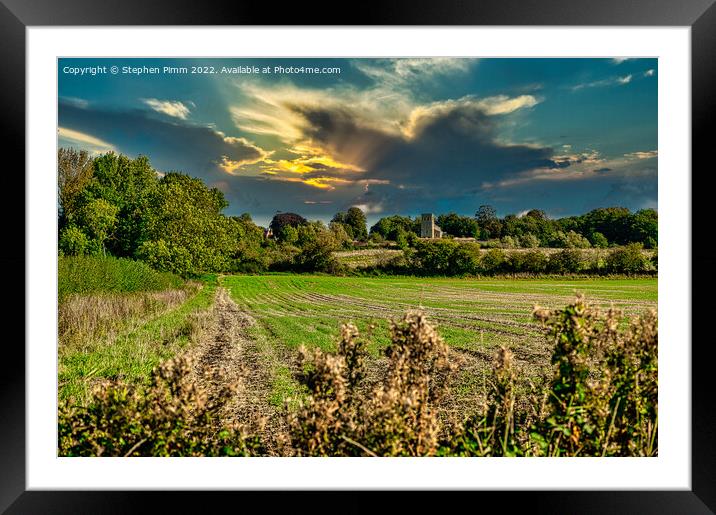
{"x":474,"y":316}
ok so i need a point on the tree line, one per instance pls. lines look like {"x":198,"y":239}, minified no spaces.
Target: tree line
{"x":599,"y":228}
{"x":114,"y":205}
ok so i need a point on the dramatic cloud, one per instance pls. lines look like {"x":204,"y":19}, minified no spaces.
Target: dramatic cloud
{"x":169,"y":107}
{"x":392,"y":136}
{"x":171,"y":146}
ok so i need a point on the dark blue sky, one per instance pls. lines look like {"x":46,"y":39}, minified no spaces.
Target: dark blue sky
{"x":392,"y":136}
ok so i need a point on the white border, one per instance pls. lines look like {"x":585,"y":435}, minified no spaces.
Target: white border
{"x":671,"y":470}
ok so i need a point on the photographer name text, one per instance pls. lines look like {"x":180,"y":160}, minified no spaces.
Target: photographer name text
{"x":198,"y":70}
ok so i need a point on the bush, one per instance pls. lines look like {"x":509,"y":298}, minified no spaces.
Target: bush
{"x":600,"y":401}
{"x":396,"y":418}
{"x":172,"y":416}
{"x":492,"y":262}
{"x":569,"y":240}
{"x":627,"y":260}
{"x":567,"y":261}
{"x":508,"y":242}
{"x":445,"y":257}
{"x":532,"y":262}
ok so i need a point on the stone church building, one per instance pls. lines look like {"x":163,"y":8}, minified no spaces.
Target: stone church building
{"x":428,"y":228}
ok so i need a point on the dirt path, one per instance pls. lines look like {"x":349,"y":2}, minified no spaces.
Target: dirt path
{"x":230,"y":357}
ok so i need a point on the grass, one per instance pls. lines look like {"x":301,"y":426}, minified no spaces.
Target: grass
{"x":132,"y":352}
{"x":96,"y":274}
{"x":474,"y":316}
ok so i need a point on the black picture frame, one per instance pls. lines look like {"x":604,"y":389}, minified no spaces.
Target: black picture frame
{"x":17,"y":15}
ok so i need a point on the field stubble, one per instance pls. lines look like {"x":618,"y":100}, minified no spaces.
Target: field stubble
{"x":476,"y":317}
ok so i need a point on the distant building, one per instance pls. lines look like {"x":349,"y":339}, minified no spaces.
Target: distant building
{"x":428,"y":229}
{"x":268,"y":233}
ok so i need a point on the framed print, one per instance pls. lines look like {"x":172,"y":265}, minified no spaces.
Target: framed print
{"x":417,"y":253}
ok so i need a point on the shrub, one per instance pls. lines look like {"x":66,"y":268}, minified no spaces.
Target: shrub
{"x":569,"y":240}
{"x":173,"y":416}
{"x":444,"y":257}
{"x":508,"y":242}
{"x":492,"y":262}
{"x":627,"y":260}
{"x":566,"y":261}
{"x":602,"y":398}
{"x":533,"y":262}
{"x":612,"y":411}
{"x":397,"y":418}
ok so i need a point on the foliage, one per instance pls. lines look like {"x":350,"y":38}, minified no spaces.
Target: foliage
{"x":173,"y":416}
{"x":355,"y":223}
{"x":601,"y":400}
{"x":445,"y":257}
{"x":458,"y":226}
{"x":396,"y":418}
{"x":569,"y":240}
{"x":281,"y":221}
{"x":628,"y":260}
{"x":90,"y":274}
{"x":490,"y":225}
{"x":566,"y":261}
{"x":529,"y":241}
{"x":533,"y":262}
{"x":74,"y":170}
{"x":74,"y":242}
{"x":492,"y":262}
{"x":598,"y":240}
{"x":389,"y":226}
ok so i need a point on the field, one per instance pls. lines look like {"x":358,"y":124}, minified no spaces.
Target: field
{"x":250,"y":328}
{"x":474,"y":316}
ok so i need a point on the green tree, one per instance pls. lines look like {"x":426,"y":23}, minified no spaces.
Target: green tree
{"x":73,"y":242}
{"x":355,"y":219}
{"x":490,"y":225}
{"x":74,"y":171}
{"x":186,"y":216}
{"x":459,"y":226}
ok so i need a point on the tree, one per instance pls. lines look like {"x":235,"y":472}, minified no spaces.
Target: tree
{"x":388,"y":226}
{"x":74,"y":170}
{"x":127,"y":184}
{"x":355,"y":219}
{"x":458,"y":226}
{"x":599,"y":240}
{"x":98,"y":218}
{"x":183,"y":228}
{"x":282,"y":220}
{"x":644,"y":228}
{"x":73,"y":242}
{"x":489,"y":223}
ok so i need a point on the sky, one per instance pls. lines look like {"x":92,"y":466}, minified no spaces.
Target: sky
{"x":391,"y":136}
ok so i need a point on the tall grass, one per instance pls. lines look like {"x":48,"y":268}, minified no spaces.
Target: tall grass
{"x":84,"y":319}
{"x":96,"y":274}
